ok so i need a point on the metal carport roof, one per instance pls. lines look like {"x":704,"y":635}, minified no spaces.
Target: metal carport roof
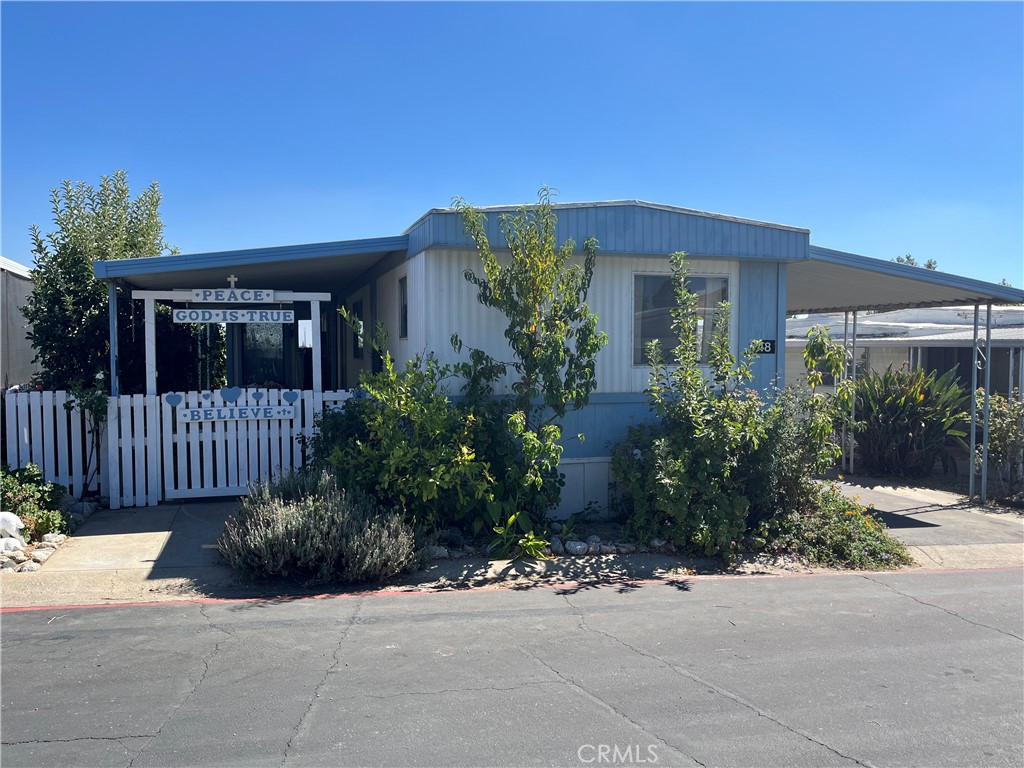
{"x":835,"y":281}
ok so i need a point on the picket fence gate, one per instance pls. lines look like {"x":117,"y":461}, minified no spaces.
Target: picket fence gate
{"x":149,"y":454}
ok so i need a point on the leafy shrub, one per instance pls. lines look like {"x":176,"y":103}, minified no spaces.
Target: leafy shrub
{"x":836,"y":532}
{"x":907,"y":420}
{"x":719,"y":459}
{"x":305,"y":527}
{"x":403,"y":443}
{"x":27,"y":494}
{"x":1005,"y":437}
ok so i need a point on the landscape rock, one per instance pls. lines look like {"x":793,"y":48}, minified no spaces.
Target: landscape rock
{"x":28,"y":567}
{"x":18,"y":556}
{"x":57,"y":538}
{"x":437,"y":552}
{"x":593,"y":539}
{"x":8,"y":565}
{"x":67,"y":502}
{"x":42,"y":555}
{"x":576,"y":547}
{"x":657,"y":544}
{"x":625,"y":548}
{"x":556,"y":546}
{"x":556,"y":527}
{"x":608,"y":549}
{"x":46,"y":545}
{"x":83,"y":509}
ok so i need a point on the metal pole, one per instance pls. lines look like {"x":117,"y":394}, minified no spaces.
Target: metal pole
{"x":1009,"y":384}
{"x":974,"y":406}
{"x":846,"y":373}
{"x":853,"y":394}
{"x":988,"y":386}
{"x":112,"y":310}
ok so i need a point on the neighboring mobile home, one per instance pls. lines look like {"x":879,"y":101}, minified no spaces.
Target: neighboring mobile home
{"x":16,"y":353}
{"x":938,"y":338}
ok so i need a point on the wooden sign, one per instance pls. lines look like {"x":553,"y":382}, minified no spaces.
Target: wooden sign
{"x":236,"y":413}
{"x":234,"y":315}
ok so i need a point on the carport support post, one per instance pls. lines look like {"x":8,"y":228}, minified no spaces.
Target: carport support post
{"x":112,"y":309}
{"x":846,"y":371}
{"x":974,"y":407}
{"x":853,"y":392}
{"x":988,"y":386}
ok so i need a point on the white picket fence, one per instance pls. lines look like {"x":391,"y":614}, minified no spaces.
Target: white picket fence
{"x":148,"y":454}
{"x":40,"y":430}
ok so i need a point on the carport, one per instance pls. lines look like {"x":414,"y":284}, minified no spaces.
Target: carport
{"x":836,"y":281}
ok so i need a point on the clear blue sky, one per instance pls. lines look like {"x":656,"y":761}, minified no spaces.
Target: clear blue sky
{"x":883,"y":128}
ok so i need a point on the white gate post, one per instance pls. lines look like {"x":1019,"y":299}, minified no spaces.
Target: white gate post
{"x":150,"y":346}
{"x":314,"y":317}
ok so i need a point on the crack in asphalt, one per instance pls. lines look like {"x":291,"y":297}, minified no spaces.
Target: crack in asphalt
{"x":202,"y":677}
{"x":604,"y":704}
{"x":443,"y":691}
{"x":712,"y":686}
{"x":80,"y":738}
{"x":323,"y":680}
{"x":944,"y":610}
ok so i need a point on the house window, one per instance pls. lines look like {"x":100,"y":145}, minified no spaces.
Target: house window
{"x":403,"y":308}
{"x":357,"y":332}
{"x":654,"y":299}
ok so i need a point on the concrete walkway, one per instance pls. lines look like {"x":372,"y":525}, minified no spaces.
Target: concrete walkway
{"x":169,"y":553}
{"x":132,"y":555}
{"x":940,"y":529}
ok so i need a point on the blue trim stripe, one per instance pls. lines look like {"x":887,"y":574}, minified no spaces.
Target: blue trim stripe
{"x":155,"y":265}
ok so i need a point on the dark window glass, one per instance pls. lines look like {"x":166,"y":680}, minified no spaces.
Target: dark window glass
{"x":403,"y":308}
{"x":653,"y":301}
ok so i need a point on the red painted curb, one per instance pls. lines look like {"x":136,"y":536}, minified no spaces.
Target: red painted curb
{"x":491,"y":588}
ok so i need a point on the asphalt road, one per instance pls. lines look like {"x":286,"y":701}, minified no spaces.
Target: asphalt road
{"x":909,"y":669}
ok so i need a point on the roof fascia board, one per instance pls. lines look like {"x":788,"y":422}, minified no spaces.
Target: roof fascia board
{"x":919,"y":274}
{"x":123,"y":268}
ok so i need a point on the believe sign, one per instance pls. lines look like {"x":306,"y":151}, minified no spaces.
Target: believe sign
{"x":234,"y":315}
{"x":236,"y":413}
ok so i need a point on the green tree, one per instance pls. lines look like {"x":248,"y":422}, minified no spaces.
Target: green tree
{"x":543,"y":296}
{"x":554,"y":339}
{"x":68,"y":310}
{"x":910,"y":261}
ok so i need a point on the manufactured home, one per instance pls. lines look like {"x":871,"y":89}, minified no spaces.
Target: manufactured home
{"x":305,"y":357}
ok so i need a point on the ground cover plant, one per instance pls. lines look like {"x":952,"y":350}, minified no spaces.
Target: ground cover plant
{"x":27,"y":494}
{"x":721,"y":470}
{"x":305,"y":527}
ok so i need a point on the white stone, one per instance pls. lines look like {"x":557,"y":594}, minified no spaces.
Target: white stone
{"x":28,"y":567}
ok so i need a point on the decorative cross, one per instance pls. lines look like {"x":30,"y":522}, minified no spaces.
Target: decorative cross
{"x":232,"y":279}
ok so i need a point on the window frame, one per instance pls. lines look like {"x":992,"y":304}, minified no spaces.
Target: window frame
{"x":703,"y":270}
{"x":403,"y":307}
